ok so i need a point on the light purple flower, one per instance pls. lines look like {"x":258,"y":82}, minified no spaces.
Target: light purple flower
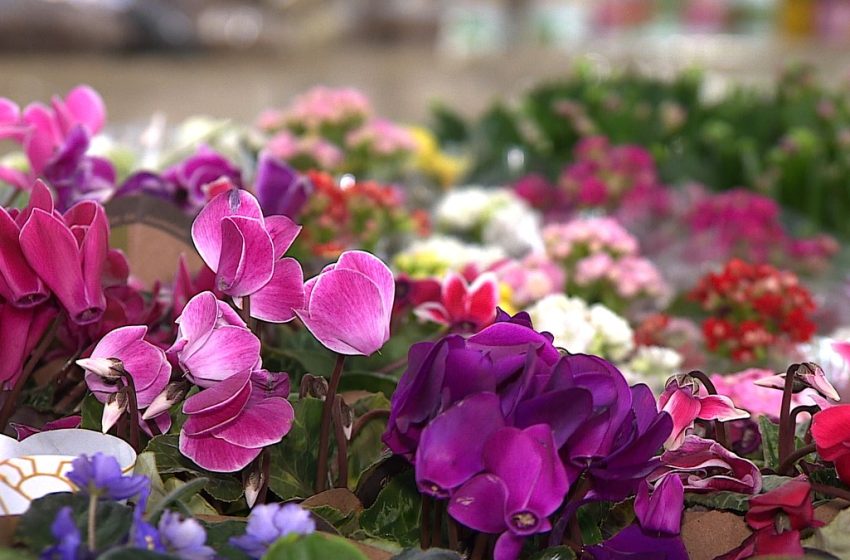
{"x":184,"y":538}
{"x":244,"y":249}
{"x":269,"y":522}
{"x":68,"y":538}
{"x":348,"y":305}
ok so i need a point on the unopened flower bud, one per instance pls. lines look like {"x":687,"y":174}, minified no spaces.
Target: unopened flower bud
{"x":173,"y":393}
{"x":111,"y":369}
{"x":116,"y":405}
{"x":313,"y":386}
{"x":253,"y":484}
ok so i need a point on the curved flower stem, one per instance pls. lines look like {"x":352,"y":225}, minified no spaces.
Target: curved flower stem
{"x":811,"y":409}
{"x":789,"y":461}
{"x":266,"y":458}
{"x":92,"y":528}
{"x":480,"y":547}
{"x":786,"y":422}
{"x":437,"y":533}
{"x":366,"y":418}
{"x":12,"y":398}
{"x":245,"y":313}
{"x":324,"y":432}
{"x":133,"y":409}
{"x":831,"y":491}
{"x":341,"y":444}
{"x":719,"y":427}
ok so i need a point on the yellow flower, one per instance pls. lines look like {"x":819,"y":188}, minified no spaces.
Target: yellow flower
{"x":444,"y":168}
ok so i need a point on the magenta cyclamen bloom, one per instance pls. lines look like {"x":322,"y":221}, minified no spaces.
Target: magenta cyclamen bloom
{"x":213,"y":342}
{"x":126,"y":348}
{"x":69,"y":253}
{"x":348,"y":305}
{"x":229,"y":424}
{"x":280,"y":189}
{"x":245,"y":249}
{"x":686,"y":400}
{"x":19,"y":283}
{"x":20,"y":331}
{"x":522,"y":484}
{"x":661,"y":512}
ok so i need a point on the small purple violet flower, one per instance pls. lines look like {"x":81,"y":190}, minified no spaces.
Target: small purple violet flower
{"x":68,"y":538}
{"x":270,"y":522}
{"x":101,"y":475}
{"x":184,"y":538}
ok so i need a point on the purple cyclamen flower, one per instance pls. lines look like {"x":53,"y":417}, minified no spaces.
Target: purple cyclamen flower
{"x":661,"y":512}
{"x":522,"y":484}
{"x":634,"y":542}
{"x":269,"y":522}
{"x":101,"y":475}
{"x":77,"y":176}
{"x":281,"y":190}
{"x":184,"y":538}
{"x":68,"y":538}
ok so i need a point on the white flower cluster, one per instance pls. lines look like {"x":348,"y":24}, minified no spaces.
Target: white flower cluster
{"x":580,"y":328}
{"x":653,"y":365}
{"x":493,"y":216}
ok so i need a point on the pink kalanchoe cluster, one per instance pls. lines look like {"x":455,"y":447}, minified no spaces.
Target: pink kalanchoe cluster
{"x":601,"y":262}
{"x":530,"y":279}
{"x":381,"y":137}
{"x":319,"y":107}
{"x":55,"y":139}
{"x":604,"y":175}
{"x":748,"y":225}
{"x":305,"y":151}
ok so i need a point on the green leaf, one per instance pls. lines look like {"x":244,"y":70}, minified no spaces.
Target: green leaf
{"x":218,"y":537}
{"x":16,"y":554}
{"x":91,"y":411}
{"x":727,"y":501}
{"x":304,"y":350}
{"x":169,"y":460}
{"x":367,"y":447}
{"x":555,"y":553}
{"x":294,"y":459}
{"x":834,"y":538}
{"x":146,"y":465}
{"x":316,"y":546}
{"x":430,"y":554}
{"x":182,"y":492}
{"x":771,"y":482}
{"x":769,"y":442}
{"x":590,"y":517}
{"x":112,"y":520}
{"x":368,"y":381}
{"x":396,"y":514}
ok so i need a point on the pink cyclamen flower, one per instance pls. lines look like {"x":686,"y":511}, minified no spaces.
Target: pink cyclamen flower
{"x":704,"y":465}
{"x":685,"y":401}
{"x":244,"y":249}
{"x":463,"y":305}
{"x":213,"y":342}
{"x":808,"y":376}
{"x":229,"y":424}
{"x":69,"y":253}
{"x":348,"y":305}
{"x":125,"y":351}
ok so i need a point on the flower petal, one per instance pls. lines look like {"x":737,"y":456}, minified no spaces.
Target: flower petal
{"x":206,"y":229}
{"x":87,"y":107}
{"x":277,"y":301}
{"x":216,"y":454}
{"x":720,"y":407}
{"x":228,"y":350}
{"x":260,"y":424}
{"x":24,"y":286}
{"x":480,"y":504}
{"x":283,"y":232}
{"x":346,"y":313}
{"x":246,"y":263}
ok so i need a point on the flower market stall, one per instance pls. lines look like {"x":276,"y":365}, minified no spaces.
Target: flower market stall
{"x":608,"y":321}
